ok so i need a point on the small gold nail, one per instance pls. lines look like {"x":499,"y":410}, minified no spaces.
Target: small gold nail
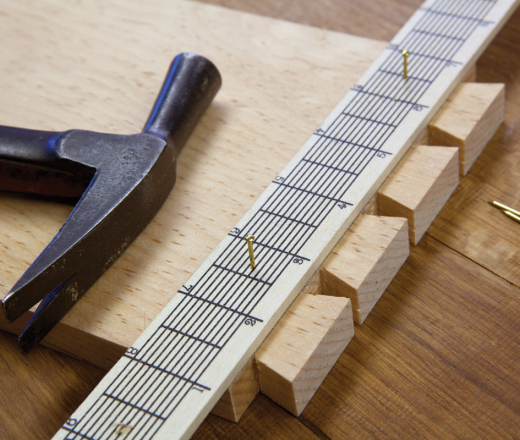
{"x":405,"y":60}
{"x":513,"y":216}
{"x":504,"y":207}
{"x":250,"y":240}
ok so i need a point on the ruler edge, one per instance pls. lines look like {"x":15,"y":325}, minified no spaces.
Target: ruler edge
{"x":215,"y":395}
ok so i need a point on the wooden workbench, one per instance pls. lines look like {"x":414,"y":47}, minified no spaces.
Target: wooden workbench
{"x":438,"y":356}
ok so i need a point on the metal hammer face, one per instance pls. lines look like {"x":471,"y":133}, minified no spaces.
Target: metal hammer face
{"x":127,"y":180}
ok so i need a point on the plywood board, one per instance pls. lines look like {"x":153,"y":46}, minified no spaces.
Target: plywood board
{"x":99,"y":66}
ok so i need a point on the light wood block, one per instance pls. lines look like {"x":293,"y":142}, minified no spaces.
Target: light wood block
{"x":300,"y":351}
{"x":239,"y":395}
{"x":419,"y":186}
{"x":245,"y":387}
{"x":365,"y":261}
{"x":468,"y":120}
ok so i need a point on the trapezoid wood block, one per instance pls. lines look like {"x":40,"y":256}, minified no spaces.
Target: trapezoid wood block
{"x":300,"y":351}
{"x":239,"y":395}
{"x":419,"y":186}
{"x":468,"y":120}
{"x":365,"y":261}
{"x":245,"y":387}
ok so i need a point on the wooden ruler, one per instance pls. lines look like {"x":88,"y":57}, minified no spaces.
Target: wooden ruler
{"x":176,"y":371}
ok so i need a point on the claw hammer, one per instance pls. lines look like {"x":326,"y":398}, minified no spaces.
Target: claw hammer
{"x":122,"y":181}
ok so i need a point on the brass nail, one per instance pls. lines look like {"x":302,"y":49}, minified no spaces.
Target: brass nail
{"x":250,"y":240}
{"x":513,"y":216}
{"x":504,"y":207}
{"x":405,"y":60}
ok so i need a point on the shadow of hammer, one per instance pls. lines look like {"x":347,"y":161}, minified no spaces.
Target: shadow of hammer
{"x":127,"y":180}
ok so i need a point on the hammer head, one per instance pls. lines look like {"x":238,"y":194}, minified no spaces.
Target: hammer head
{"x":132,"y":177}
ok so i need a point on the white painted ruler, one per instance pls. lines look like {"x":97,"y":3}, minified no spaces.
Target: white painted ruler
{"x":173,"y":375}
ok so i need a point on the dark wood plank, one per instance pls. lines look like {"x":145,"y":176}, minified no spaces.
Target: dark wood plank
{"x":264,"y":419}
{"x":373,"y":19}
{"x":468,"y":223}
{"x":39,"y":392}
{"x":437,"y":358}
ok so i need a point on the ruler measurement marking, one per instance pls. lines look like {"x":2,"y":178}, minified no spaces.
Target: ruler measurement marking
{"x":299,"y":204}
{"x":240,"y":282}
{"x":236,"y":272}
{"x":461,"y":17}
{"x":268,"y":262}
{"x":310,"y":192}
{"x":445,"y":34}
{"x":182,"y":387}
{"x":368,"y":119}
{"x":410,"y":78}
{"x":291,"y":254}
{"x":437,"y":34}
{"x":364,"y":147}
{"x":287,"y":218}
{"x":134,"y":406}
{"x":191,"y":336}
{"x":366,"y":92}
{"x":76,"y":433}
{"x":220,"y":305}
{"x":168,"y":372}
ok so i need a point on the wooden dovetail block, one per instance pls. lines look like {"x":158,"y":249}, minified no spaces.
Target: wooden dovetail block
{"x":419,"y":186}
{"x":365,"y":261}
{"x":300,"y":351}
{"x":245,"y":387}
{"x":468,"y":120}
{"x":239,"y":395}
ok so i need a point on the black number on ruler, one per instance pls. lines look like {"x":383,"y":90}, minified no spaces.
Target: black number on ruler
{"x":393,"y":46}
{"x":279,"y":179}
{"x":357,"y":87}
{"x":485,"y":23}
{"x":341,"y":205}
{"x":197,"y":388}
{"x":188,"y":288}
{"x":71,"y":422}
{"x":250,"y":321}
{"x":417,"y":107}
{"x":319,"y":131}
{"x":235,"y":231}
{"x":381,"y":155}
{"x":132,"y":351}
{"x":297,"y":261}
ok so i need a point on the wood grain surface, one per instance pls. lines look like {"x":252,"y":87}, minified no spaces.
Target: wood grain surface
{"x":280,"y":78}
{"x":438,"y":357}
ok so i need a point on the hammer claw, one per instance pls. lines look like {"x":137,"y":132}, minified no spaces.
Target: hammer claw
{"x":51,"y":309}
{"x":127,"y":180}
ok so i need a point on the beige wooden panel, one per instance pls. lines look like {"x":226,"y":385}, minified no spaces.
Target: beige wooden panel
{"x":99,"y":66}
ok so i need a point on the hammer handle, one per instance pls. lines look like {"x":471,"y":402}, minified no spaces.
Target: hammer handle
{"x":30,"y":164}
{"x":28,"y":146}
{"x":188,"y":89}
